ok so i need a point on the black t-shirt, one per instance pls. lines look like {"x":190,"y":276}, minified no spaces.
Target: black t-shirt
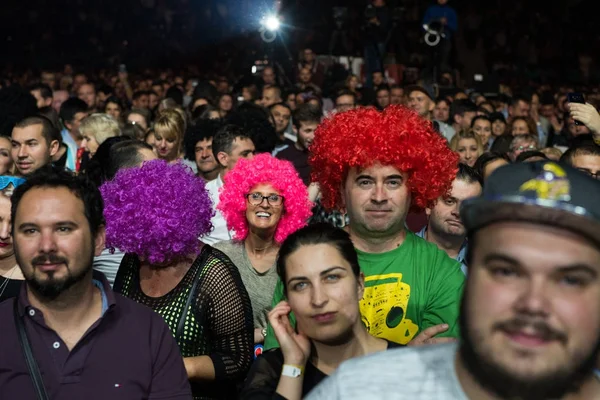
{"x":300,"y":160}
{"x":264,"y":375}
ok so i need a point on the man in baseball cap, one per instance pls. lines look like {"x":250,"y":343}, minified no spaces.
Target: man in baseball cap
{"x":530,"y":316}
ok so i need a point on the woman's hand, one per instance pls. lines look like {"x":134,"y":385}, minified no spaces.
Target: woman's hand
{"x":586,"y":114}
{"x":294,"y":346}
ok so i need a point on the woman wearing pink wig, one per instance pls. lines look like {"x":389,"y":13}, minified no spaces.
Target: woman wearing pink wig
{"x":263,"y":200}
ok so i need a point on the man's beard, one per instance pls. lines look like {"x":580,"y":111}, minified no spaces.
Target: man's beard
{"x":52,"y":288}
{"x":502,"y":382}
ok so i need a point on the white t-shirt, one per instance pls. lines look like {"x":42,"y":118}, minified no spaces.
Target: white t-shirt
{"x":220,"y":231}
{"x":409,"y":373}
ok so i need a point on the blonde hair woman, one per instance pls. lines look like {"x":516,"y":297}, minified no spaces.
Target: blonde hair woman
{"x":169,"y":129}
{"x":468,"y":146}
{"x":7,"y":165}
{"x":95,"y":129}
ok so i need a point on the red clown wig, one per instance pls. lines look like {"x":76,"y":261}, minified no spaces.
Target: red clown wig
{"x":398,"y":137}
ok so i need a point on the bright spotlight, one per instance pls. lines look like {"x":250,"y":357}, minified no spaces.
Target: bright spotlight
{"x":272,"y":23}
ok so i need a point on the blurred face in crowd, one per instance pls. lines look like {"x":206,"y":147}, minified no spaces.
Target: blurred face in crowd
{"x":40,"y":101}
{"x":268,"y":76}
{"x":30,"y":150}
{"x":73,"y":125}
{"x":6,"y":161}
{"x":397,"y":96}
{"x":153,"y":100}
{"x":444,"y":217}
{"x":240,"y":148}
{"x":547,"y":110}
{"x":464,"y":121}
{"x":520,"y":127}
{"x":535,"y":102}
{"x":309,"y":55}
{"x":530,"y":317}
{"x":90,"y":144}
{"x":345,"y":103}
{"x":520,"y":146}
{"x":291,"y":101}
{"x":167,"y":148}
{"x":59,"y":97}
{"x":6,"y":243}
{"x":158,"y":89}
{"x":480,"y":99}
{"x":441,"y":112}
{"x":498,"y":127}
{"x":141,"y":102}
{"x":281,"y":116}
{"x":587,"y":163}
{"x":323,"y":292}
{"x":305,"y":75}
{"x":483,"y":129}
{"x":306,"y":133}
{"x":521,"y":109}
{"x":138,"y":119}
{"x":421,"y":103}
{"x":377,"y":78}
{"x":468,"y":151}
{"x":78,"y":81}
{"x":576,"y":130}
{"x":492,"y":166}
{"x":87,"y":93}
{"x":383,"y":98}
{"x":270,"y":97}
{"x":265,"y":216}
{"x":205,"y":160}
{"x":353,"y":83}
{"x":53,"y":242}
{"x":225,"y":103}
{"x":49,"y":78}
{"x":377,"y":199}
{"x":114,"y":110}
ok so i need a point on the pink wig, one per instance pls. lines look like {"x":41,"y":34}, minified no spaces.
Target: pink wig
{"x":157,"y":211}
{"x":266,"y":169}
{"x":398,"y":137}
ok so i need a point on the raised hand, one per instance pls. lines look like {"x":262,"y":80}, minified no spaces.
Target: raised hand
{"x":427,"y":336}
{"x":294,"y":346}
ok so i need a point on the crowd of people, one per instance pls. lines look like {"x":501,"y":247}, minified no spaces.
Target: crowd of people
{"x":169,"y":235}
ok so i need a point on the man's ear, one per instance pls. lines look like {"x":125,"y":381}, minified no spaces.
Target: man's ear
{"x":222,"y":158}
{"x":428,"y":212}
{"x":69,"y":126}
{"x":100,"y":240}
{"x":54,"y":146}
{"x":431,"y":105}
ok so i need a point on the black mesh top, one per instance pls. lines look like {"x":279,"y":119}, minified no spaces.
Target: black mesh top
{"x":219,"y":323}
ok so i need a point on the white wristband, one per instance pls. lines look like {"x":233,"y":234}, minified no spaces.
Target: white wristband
{"x":291,"y":370}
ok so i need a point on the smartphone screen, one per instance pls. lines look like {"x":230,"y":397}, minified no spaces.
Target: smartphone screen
{"x":576,"y":98}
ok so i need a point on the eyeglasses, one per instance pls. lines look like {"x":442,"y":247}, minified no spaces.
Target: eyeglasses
{"x":590,"y":173}
{"x":6,"y":181}
{"x":256,"y":199}
{"x":521,"y":148}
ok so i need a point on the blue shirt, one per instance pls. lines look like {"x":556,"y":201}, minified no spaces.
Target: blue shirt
{"x":71,"y":150}
{"x":462,"y":254}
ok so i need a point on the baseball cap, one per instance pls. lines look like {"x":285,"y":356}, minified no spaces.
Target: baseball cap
{"x":543,"y":192}
{"x":417,"y":88}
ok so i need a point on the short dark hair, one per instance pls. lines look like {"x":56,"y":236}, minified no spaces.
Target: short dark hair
{"x":306,"y":113}
{"x":319,"y":233}
{"x":514,"y":100}
{"x":487,"y":158}
{"x":382,"y":87}
{"x":483,"y":117}
{"x":44,"y":89}
{"x":345,"y":92}
{"x":200,"y":130}
{"x":173,"y":93}
{"x":79,"y":185}
{"x":124,"y":154}
{"x":138,"y":93}
{"x":71,"y":107}
{"x":274,"y":87}
{"x":96,"y":168}
{"x":104,"y":88}
{"x":460,"y":107}
{"x":224,"y":138}
{"x":140,"y":111}
{"x":280,"y":104}
{"x":114,"y":100}
{"x":49,"y":131}
{"x":526,"y":155}
{"x":468,"y":174}
{"x":585,"y":149}
{"x":133,"y":131}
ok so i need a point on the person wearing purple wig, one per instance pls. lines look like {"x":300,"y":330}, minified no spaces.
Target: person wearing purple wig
{"x":263,"y":200}
{"x":155,"y":214}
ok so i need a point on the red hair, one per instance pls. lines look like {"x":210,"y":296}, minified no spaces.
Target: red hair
{"x":397,"y":137}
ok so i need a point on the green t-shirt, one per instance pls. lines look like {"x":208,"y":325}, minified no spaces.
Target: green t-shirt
{"x":407,"y":290}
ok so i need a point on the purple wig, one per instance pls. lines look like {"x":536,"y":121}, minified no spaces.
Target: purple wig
{"x":157,"y":211}
{"x":268,"y":170}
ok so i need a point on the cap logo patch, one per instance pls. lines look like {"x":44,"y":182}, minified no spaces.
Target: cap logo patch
{"x":551,"y":184}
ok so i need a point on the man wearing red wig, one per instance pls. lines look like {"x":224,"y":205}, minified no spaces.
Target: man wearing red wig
{"x":377,"y":166}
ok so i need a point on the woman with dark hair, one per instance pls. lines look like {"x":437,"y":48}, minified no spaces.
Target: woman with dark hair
{"x":225,"y":104}
{"x":155,"y":215}
{"x":482,"y":126}
{"x":489,"y":162}
{"x":114,"y":108}
{"x":323,"y":284}
{"x":11,"y":276}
